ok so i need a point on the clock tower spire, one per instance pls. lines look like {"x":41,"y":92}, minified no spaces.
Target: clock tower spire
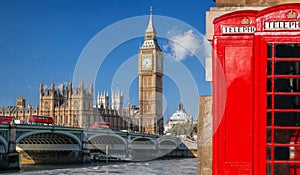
{"x":150,"y":63}
{"x":150,"y":31}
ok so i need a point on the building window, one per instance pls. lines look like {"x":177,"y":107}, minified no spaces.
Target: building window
{"x":46,"y":105}
{"x":75,"y":119}
{"x":88,"y":120}
{"x":66,"y":119}
{"x":75,"y":104}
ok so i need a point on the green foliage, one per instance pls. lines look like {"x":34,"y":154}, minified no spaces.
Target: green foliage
{"x":183,"y":129}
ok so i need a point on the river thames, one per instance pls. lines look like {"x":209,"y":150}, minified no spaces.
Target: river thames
{"x":155,"y":167}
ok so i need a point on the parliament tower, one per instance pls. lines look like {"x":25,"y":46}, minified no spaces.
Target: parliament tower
{"x":150,"y":63}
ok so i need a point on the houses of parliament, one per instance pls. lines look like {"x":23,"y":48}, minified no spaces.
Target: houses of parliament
{"x":74,"y":106}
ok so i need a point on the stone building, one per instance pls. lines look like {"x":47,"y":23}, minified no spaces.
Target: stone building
{"x":102,"y":100}
{"x":20,"y":111}
{"x":117,"y":100}
{"x":179,"y":116}
{"x":68,"y":106}
{"x":150,"y":68}
{"x":73,"y":107}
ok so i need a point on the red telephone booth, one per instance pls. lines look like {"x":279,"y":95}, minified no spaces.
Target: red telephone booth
{"x":256,"y":92}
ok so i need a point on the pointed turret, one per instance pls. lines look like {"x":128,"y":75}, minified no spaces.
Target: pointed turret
{"x":150,"y":31}
{"x":81,"y":86}
{"x":52,"y":86}
{"x":41,"y":89}
{"x":91,"y":89}
{"x":63,"y":90}
{"x":150,"y":35}
{"x":70,"y":89}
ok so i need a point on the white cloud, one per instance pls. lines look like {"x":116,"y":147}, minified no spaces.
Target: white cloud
{"x":183,"y":45}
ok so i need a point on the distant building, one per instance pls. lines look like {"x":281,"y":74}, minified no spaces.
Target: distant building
{"x":74,"y":107}
{"x":103,"y":100}
{"x":117,"y":100}
{"x":20,"y":111}
{"x":68,"y":106}
{"x":180,"y":116}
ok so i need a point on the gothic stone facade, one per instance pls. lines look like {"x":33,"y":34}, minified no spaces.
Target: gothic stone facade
{"x":74,"y":107}
{"x":68,"y":106}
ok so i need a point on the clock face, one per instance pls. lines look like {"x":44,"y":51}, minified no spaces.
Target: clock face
{"x":147,"y":63}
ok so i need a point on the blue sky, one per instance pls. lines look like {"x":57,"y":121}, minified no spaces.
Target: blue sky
{"x":42,"y":40}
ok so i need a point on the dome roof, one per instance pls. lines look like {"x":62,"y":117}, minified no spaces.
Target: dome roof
{"x":180,"y":114}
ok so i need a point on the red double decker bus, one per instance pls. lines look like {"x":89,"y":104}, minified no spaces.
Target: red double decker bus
{"x":101,"y":125}
{"x":5,"y":119}
{"x":36,"y":119}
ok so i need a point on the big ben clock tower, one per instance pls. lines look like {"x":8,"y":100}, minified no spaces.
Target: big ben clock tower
{"x":150,"y":63}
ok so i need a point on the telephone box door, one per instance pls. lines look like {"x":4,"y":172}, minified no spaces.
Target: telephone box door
{"x":277,"y":105}
{"x":233,"y":94}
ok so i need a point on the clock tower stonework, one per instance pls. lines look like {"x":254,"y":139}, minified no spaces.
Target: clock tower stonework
{"x":150,"y":63}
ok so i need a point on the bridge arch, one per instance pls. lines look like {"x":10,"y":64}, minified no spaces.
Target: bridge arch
{"x":57,"y":138}
{"x":4,"y":143}
{"x":167,"y":141}
{"x":144,"y":138}
{"x":167,"y":144}
{"x":143,"y":141}
{"x":100,"y":140}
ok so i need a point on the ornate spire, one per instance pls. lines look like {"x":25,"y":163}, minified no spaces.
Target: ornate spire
{"x":52,"y":86}
{"x":150,"y":27}
{"x":150,"y":31}
{"x":41,"y":88}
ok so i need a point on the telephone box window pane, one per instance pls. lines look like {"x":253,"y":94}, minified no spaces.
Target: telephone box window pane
{"x":269,"y":68}
{"x":269,"y":102}
{"x":283,"y":84}
{"x":282,"y":136}
{"x":270,"y":50}
{"x":269,"y":85}
{"x":287,"y":50}
{"x":269,"y":137}
{"x":282,"y":153}
{"x":269,"y":152}
{"x":286,"y":68}
{"x":269,"y":167}
{"x":269,"y":119}
{"x":282,"y":169}
{"x":286,"y":119}
{"x":284,"y":102}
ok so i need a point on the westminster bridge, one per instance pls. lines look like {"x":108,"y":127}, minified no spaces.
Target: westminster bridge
{"x":39,"y":144}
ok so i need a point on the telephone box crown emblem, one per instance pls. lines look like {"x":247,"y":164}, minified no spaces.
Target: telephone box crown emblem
{"x":292,"y":14}
{"x":245,"y":21}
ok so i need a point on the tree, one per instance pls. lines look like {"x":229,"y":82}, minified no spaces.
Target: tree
{"x":183,"y":129}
